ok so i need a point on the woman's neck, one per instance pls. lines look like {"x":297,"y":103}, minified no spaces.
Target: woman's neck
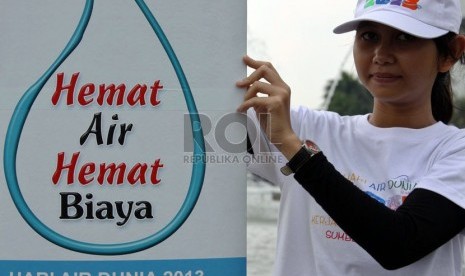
{"x":385,"y":115}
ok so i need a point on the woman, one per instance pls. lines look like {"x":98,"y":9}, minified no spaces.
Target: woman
{"x":375,"y":194}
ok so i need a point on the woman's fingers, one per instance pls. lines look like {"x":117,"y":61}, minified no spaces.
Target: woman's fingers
{"x":265,"y":88}
{"x":255,"y":64}
{"x":268,"y":104}
{"x":255,"y":102}
{"x":259,"y":87}
{"x":263,"y":70}
{"x":273,"y":110}
{"x":274,"y":86}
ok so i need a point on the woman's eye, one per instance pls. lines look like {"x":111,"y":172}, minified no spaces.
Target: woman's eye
{"x":369,"y":36}
{"x":405,"y":37}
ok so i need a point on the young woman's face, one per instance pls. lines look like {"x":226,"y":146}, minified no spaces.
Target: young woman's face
{"x":395,"y":67}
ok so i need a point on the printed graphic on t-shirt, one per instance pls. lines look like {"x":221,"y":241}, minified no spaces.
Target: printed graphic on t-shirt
{"x":329,"y":228}
{"x":391,"y":193}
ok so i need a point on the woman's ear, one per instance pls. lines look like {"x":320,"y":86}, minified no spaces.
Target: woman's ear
{"x":457,"y":47}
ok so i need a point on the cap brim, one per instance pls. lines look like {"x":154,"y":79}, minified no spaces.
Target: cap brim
{"x":395,"y":20}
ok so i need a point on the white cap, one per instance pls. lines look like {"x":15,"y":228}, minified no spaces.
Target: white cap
{"x":421,"y":18}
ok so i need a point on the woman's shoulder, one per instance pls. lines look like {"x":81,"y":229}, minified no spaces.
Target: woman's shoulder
{"x":451,"y":136}
{"x":303,"y":114}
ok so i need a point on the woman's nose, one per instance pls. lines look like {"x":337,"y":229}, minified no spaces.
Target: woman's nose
{"x":383,"y":53}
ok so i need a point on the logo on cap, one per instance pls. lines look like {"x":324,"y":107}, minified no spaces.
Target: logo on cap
{"x":410,"y":4}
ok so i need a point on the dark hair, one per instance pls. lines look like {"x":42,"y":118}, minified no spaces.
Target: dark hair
{"x":442,"y":96}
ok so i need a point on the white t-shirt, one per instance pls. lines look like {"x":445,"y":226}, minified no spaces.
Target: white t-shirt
{"x":387,"y":163}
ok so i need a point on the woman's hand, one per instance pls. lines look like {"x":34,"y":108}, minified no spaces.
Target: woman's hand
{"x":273,"y":110}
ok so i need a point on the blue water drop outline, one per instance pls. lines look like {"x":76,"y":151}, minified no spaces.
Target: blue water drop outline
{"x":20,"y":115}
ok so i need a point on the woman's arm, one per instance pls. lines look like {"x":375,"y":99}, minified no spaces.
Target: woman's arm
{"x":394,"y":238}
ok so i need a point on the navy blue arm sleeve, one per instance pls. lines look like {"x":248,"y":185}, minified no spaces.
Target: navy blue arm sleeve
{"x":394,"y":238}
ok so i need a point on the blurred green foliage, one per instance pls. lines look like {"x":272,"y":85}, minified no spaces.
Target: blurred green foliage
{"x":349,"y":97}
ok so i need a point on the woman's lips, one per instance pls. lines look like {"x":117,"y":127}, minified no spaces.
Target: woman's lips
{"x":385,"y":77}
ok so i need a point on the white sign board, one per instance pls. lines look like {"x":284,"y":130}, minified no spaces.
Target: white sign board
{"x":122,"y":153}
